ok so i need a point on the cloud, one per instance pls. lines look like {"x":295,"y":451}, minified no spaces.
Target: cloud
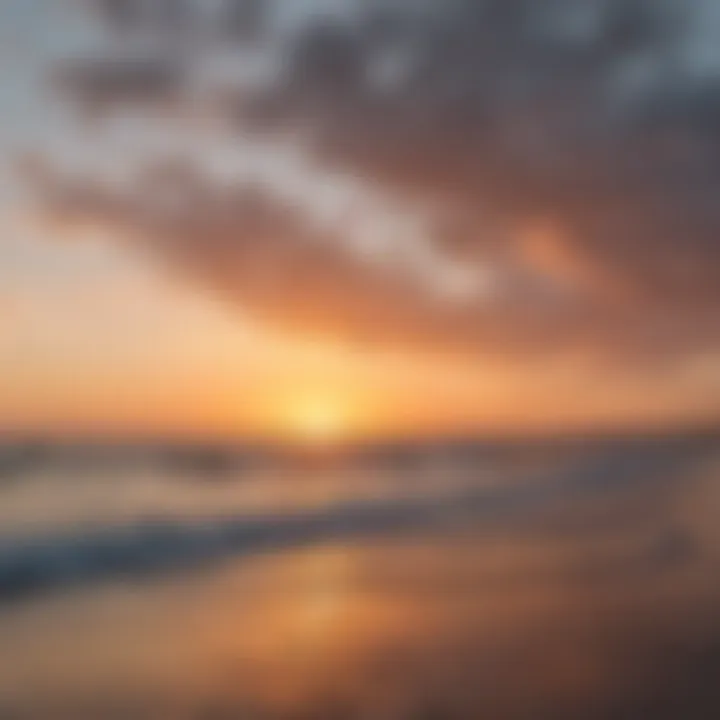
{"x":596,"y":118}
{"x":117,"y":81}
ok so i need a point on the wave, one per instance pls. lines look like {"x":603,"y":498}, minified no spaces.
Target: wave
{"x":35,"y":566}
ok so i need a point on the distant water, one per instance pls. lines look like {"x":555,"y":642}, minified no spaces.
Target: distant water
{"x":572,"y":583}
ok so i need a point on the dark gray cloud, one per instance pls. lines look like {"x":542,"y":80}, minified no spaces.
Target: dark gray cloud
{"x":598,"y":117}
{"x":116,"y":82}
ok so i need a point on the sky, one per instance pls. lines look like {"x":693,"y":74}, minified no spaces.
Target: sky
{"x":239,"y":217}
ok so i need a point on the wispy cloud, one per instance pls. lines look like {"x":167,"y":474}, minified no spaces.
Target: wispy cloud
{"x":461,"y":128}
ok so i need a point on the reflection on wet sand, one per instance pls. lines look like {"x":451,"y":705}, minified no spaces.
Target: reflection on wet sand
{"x":604,"y":607}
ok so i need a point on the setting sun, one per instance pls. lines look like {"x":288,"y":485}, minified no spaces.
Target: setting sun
{"x":317,"y":420}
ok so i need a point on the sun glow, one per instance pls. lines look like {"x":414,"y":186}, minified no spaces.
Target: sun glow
{"x":317,"y":420}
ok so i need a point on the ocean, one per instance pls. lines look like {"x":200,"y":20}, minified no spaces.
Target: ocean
{"x":528,"y":581}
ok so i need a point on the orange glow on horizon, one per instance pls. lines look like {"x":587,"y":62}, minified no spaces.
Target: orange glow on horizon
{"x":317,"y":419}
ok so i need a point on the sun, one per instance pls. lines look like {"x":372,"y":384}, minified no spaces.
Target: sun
{"x":317,"y":420}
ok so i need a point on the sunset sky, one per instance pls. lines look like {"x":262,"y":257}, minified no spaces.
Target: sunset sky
{"x":231,"y":218}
